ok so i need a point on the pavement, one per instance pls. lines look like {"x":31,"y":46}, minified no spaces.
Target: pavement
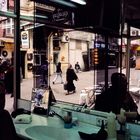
{"x":86,"y":79}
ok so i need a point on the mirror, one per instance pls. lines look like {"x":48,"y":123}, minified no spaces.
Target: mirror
{"x":44,"y":38}
{"x":97,"y":60}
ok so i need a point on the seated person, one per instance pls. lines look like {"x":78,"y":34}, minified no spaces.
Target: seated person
{"x":77,"y":67}
{"x":7,"y":129}
{"x":116,"y":96}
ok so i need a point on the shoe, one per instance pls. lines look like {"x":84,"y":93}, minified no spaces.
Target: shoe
{"x":67,"y":93}
{"x":74,"y":91}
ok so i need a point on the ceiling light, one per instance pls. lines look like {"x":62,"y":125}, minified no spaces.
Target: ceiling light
{"x":82,"y":2}
{"x":64,"y":3}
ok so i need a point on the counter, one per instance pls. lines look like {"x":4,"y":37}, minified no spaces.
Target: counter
{"x":40,"y":125}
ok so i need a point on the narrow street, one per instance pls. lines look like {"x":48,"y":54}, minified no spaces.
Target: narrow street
{"x":85,"y":80}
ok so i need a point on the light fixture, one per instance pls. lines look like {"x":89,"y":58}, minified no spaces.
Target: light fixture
{"x":63,"y":2}
{"x":34,"y":26}
{"x":82,"y":2}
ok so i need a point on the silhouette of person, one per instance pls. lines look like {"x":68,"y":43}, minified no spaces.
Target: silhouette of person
{"x":70,"y":77}
{"x":7,"y":129}
{"x":116,"y":96}
{"x":58,"y":73}
{"x":44,"y":70}
{"x":77,"y":67}
{"x":133,"y":61}
{"x":9,"y":75}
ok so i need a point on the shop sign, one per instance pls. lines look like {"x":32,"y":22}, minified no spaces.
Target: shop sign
{"x":25,"y":39}
{"x":63,"y":16}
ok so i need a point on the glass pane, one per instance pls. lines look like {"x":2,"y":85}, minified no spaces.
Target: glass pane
{"x":53,"y":43}
{"x":26,"y":59}
{"x":134,"y":65}
{"x":67,"y":46}
{"x":7,"y":59}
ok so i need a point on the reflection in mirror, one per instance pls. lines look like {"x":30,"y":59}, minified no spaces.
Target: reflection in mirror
{"x":26,"y":60}
{"x":71,"y":51}
{"x":47,"y":55}
{"x":7,"y":48}
{"x":97,"y":56}
{"x":40,"y":97}
{"x":96,"y":59}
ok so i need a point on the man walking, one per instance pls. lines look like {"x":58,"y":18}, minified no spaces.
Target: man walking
{"x":58,"y":73}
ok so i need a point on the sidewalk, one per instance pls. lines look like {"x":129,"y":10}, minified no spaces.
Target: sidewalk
{"x":85,"y":80}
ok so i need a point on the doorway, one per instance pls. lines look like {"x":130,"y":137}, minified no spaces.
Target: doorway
{"x":22,"y":63}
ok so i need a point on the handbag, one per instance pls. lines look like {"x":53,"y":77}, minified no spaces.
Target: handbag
{"x":65,"y":86}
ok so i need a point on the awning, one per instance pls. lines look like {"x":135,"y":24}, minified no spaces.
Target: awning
{"x":7,"y":40}
{"x":135,"y":47}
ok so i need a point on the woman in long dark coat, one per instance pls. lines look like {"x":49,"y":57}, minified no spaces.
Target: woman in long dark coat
{"x":7,"y":129}
{"x":70,"y":77}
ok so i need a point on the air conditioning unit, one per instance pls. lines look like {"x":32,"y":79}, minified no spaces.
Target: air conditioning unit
{"x":134,"y":33}
{"x":65,"y":39}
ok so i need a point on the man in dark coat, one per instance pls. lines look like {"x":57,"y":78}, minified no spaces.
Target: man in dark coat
{"x":116,"y":96}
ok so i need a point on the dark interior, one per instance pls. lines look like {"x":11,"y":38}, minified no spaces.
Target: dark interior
{"x":96,"y":15}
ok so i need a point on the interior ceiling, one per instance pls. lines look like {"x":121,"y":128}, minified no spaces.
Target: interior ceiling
{"x":87,"y":14}
{"x":132,"y":12}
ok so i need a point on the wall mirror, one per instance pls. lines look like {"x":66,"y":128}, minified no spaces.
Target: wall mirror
{"x":45,"y":38}
{"x":97,"y":58}
{"x":83,"y":47}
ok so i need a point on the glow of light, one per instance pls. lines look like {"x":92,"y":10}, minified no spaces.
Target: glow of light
{"x":79,"y":2}
{"x":64,"y":3}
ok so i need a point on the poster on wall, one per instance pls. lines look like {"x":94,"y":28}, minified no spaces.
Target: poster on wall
{"x":25,"y":39}
{"x":3,"y":7}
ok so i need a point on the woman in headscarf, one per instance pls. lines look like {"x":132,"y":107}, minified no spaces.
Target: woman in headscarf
{"x":70,"y":77}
